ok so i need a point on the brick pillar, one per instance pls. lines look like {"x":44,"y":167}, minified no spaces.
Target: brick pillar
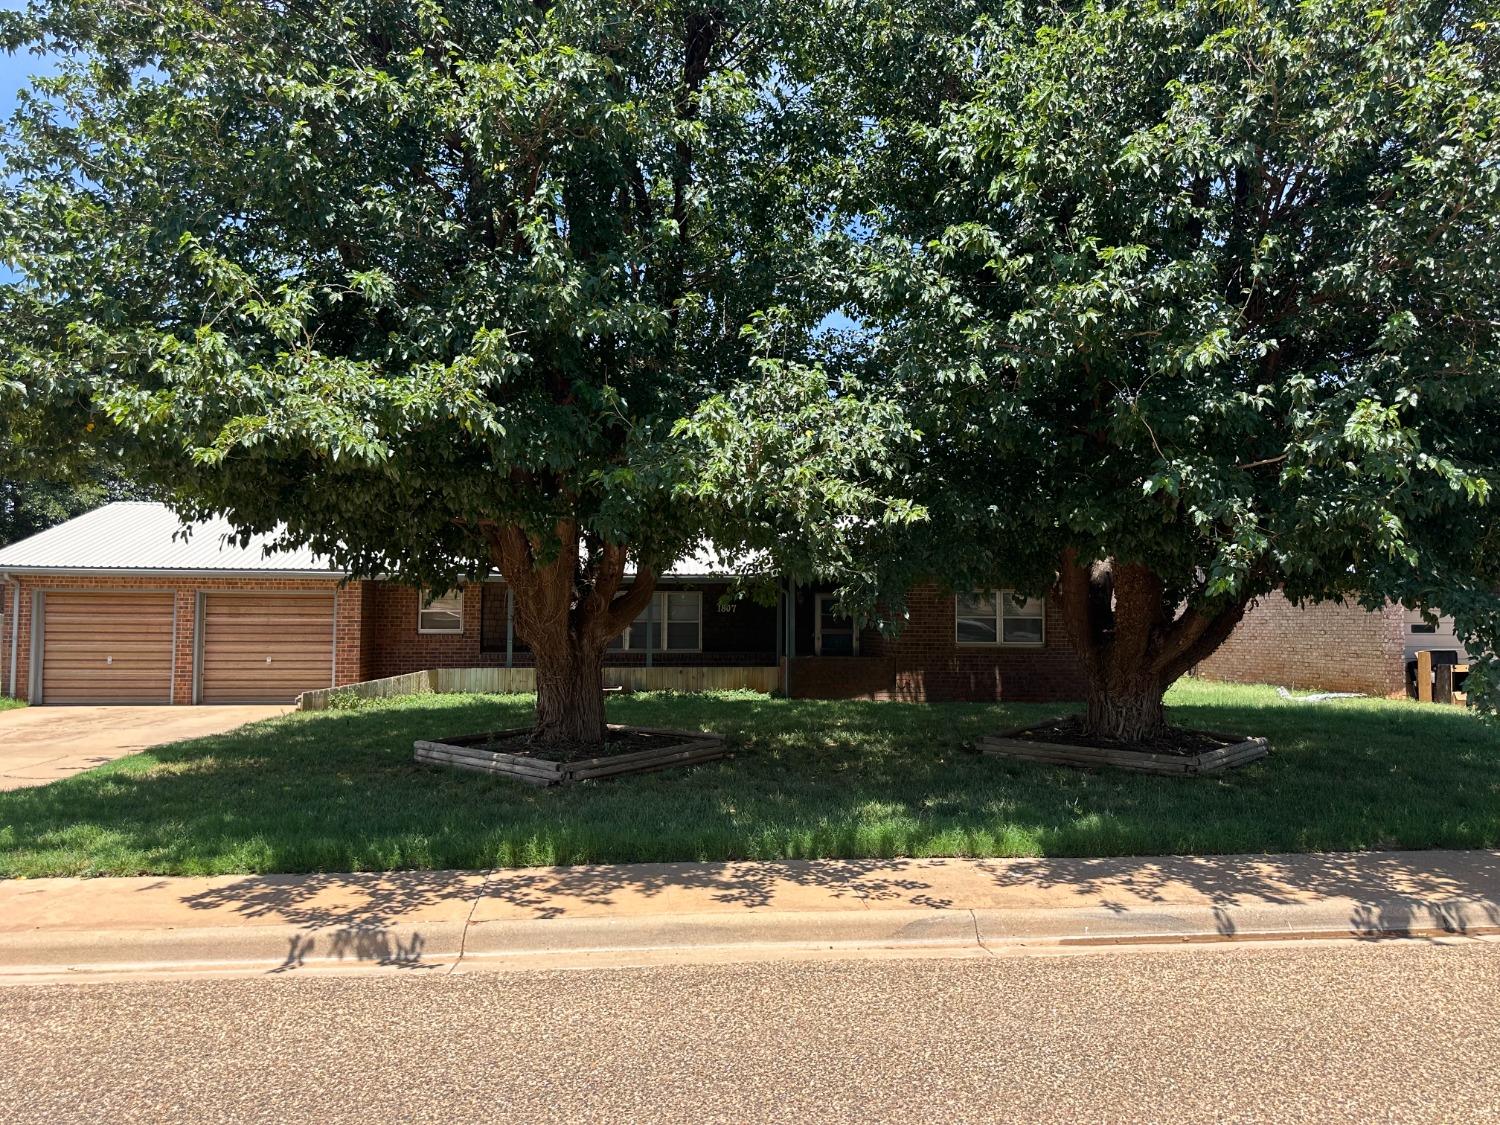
{"x":184,"y":645}
{"x":348,"y":634}
{"x":23,"y":647}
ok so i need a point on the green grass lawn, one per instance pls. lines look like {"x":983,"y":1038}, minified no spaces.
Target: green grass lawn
{"x":338,"y":791}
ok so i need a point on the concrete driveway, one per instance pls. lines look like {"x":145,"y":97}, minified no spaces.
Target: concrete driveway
{"x":42,"y":744}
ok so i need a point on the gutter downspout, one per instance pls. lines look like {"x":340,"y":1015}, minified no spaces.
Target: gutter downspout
{"x":15,"y":628}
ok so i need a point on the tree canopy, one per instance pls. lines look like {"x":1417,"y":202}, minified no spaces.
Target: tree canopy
{"x":1159,"y":304}
{"x":443,"y":286}
{"x":1192,"y":301}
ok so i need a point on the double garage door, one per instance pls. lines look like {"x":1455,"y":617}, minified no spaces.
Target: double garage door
{"x":100,"y":647}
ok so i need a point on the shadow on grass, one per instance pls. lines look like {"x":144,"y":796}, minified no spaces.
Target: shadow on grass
{"x":339,"y":792}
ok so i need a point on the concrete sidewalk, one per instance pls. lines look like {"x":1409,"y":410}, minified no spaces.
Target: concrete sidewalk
{"x":709,"y":911}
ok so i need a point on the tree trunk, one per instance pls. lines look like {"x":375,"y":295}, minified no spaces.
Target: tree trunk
{"x":1134,"y":641}
{"x":569,"y":695}
{"x":1129,"y":712}
{"x":570,"y":603}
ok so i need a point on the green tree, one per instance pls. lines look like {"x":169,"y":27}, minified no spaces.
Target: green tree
{"x":446,"y":286}
{"x":1193,"y":301}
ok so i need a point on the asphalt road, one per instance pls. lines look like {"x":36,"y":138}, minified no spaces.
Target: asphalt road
{"x":1402,"y":1032}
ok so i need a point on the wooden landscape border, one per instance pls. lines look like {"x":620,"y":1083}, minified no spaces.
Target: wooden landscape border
{"x":1236,"y":751}
{"x":464,"y":752}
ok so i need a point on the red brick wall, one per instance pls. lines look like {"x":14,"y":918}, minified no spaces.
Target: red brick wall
{"x":841,"y":677}
{"x":924,"y":662}
{"x":7,"y":606}
{"x":376,"y":635}
{"x":397,"y":648}
{"x":349,"y":641}
{"x":1329,"y":647}
{"x":930,"y":665}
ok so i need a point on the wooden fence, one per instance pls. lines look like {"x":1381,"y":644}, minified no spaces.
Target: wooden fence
{"x":507,"y":681}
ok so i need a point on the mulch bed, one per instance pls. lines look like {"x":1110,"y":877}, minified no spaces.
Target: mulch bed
{"x":1174,"y":740}
{"x":622,"y":740}
{"x":511,"y":753}
{"x":1062,"y":742}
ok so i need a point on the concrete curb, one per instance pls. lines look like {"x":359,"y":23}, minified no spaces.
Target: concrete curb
{"x":749,"y":934}
{"x":262,"y":948}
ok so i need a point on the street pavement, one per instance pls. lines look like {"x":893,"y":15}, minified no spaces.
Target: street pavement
{"x":1331,"y":1031}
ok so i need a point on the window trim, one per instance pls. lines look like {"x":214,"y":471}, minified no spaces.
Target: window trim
{"x":818,"y":601}
{"x":424,"y":604}
{"x":658,"y":634}
{"x":999,"y":619}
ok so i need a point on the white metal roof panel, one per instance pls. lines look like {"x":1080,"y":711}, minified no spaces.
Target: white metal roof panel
{"x":130,"y":536}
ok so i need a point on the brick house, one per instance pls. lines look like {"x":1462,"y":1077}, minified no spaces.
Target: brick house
{"x":1330,"y":647}
{"x":118,"y":606}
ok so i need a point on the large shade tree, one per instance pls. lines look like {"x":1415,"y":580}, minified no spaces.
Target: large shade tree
{"x":446,"y":287}
{"x":1193,"y":301}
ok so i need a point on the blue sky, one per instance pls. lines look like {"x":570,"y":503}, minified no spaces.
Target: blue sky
{"x":16,"y":70}
{"x":15,"y":74}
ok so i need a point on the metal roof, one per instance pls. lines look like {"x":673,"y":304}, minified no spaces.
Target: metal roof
{"x":131,"y":536}
{"x":142,"y":537}
{"x":704,"y":562}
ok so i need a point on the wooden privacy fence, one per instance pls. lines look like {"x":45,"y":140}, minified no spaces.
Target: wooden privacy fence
{"x":507,"y":681}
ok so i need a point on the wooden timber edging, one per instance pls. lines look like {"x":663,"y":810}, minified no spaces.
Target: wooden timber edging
{"x":1213,"y":761}
{"x":465,"y":752}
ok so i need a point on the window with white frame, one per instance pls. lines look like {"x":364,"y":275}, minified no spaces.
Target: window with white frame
{"x":999,"y":618}
{"x":441,"y":613}
{"x":671,"y":622}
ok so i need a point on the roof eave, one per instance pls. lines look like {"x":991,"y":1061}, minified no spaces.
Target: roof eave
{"x":171,"y":572}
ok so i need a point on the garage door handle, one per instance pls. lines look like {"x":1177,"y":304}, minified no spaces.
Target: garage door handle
{"x":268,"y":660}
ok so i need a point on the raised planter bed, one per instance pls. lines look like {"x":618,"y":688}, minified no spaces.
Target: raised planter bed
{"x":474,"y":752}
{"x":1221,"y":752}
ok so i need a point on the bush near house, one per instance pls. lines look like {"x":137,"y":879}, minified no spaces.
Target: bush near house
{"x":338,"y":791}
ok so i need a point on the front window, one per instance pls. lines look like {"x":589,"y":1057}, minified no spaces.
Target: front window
{"x":999,"y":618}
{"x":441,"y":613}
{"x":836,"y":635}
{"x":671,"y":622}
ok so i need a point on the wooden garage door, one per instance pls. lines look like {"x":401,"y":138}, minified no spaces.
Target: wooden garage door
{"x":265,"y":648}
{"x":106,"y":648}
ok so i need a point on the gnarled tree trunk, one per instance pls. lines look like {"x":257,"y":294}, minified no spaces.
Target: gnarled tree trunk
{"x":568,"y":609}
{"x":569,"y":694}
{"x":1129,"y":711}
{"x":1134,"y":644}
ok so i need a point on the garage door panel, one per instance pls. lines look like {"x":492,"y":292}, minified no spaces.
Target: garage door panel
{"x":106,"y":648}
{"x":273,"y":607}
{"x":265,"y":648}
